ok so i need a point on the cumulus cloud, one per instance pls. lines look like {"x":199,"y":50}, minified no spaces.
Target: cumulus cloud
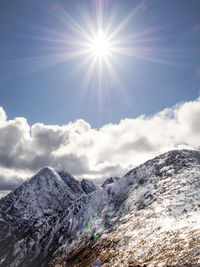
{"x":10,"y":179}
{"x":9,"y":183}
{"x":2,"y":115}
{"x":87,"y":152}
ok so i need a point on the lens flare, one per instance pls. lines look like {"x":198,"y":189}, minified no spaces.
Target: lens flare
{"x":95,"y":236}
{"x":97,"y":263}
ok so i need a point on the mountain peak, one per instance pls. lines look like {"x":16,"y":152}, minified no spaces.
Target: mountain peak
{"x":88,"y":186}
{"x":71,"y":181}
{"x":45,"y":179}
{"x":55,"y":220}
{"x":110,"y":181}
{"x":47,"y":169}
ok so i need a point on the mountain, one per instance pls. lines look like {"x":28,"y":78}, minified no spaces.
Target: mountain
{"x":36,"y":216}
{"x":110,"y":181}
{"x":149,"y":217}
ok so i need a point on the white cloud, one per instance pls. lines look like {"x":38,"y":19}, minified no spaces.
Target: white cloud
{"x":2,"y":115}
{"x":86,"y":152}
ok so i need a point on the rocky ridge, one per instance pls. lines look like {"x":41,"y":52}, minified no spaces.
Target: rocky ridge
{"x":148,"y":217}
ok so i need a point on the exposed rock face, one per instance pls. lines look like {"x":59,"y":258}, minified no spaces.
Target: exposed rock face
{"x":87,"y":186}
{"x":37,"y":216}
{"x":110,"y":181}
{"x":74,"y":185}
{"x":148,"y":217}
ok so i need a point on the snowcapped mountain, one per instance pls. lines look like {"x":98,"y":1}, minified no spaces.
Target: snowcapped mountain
{"x":36,"y":216}
{"x":148,"y":217}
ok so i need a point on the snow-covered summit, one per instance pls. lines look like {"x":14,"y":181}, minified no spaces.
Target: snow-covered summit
{"x":150,"y":216}
{"x":30,"y":214}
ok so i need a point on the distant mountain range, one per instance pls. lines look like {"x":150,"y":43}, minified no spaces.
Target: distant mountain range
{"x":149,"y":217}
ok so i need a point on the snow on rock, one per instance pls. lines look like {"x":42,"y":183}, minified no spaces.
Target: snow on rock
{"x":149,"y":217}
{"x":36,"y":216}
{"x":110,"y":181}
{"x":88,"y":186}
{"x":74,"y":185}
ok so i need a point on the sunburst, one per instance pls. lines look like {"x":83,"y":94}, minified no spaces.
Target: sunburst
{"x":98,"y":45}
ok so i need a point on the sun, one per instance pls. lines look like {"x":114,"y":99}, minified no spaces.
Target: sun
{"x":97,"y":42}
{"x":99,"y":45}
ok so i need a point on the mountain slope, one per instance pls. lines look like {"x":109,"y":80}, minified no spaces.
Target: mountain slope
{"x":151,"y":218}
{"x":36,"y":216}
{"x":148,"y":217}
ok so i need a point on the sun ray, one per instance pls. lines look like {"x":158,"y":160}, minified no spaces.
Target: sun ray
{"x":100,"y":45}
{"x":135,"y":11}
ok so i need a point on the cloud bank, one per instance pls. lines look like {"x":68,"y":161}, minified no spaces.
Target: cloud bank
{"x":86,"y":152}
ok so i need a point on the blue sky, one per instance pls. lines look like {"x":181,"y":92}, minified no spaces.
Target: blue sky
{"x":57,"y":95}
{"x":76,"y":77}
